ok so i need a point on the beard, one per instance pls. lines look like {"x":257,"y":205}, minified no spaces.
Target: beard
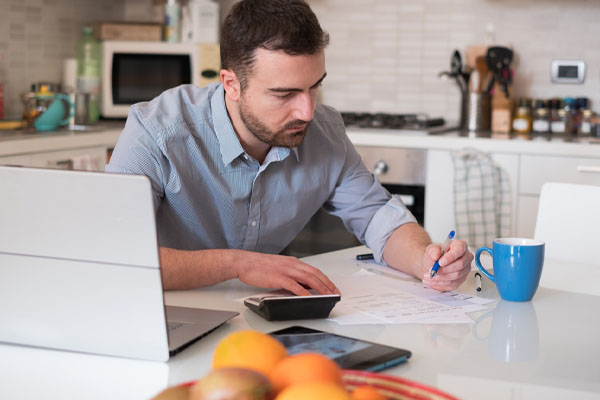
{"x":280,"y":137}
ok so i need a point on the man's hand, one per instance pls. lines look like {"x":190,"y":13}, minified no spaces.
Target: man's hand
{"x":455,"y":265}
{"x":190,"y":269}
{"x":274,"y":271}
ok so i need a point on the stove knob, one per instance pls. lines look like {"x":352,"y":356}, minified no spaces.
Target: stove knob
{"x":380,"y":168}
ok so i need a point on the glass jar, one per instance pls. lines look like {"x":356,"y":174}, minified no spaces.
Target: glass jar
{"x":557,"y":124}
{"x":541,"y":117}
{"x":522,"y":120}
{"x":585,"y":124}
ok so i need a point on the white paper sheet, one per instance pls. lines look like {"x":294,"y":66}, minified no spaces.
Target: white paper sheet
{"x":370,"y":298}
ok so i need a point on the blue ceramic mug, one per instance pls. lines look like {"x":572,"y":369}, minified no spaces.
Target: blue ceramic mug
{"x":517,"y":267}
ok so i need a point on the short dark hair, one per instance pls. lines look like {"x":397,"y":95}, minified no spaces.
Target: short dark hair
{"x":276,"y":25}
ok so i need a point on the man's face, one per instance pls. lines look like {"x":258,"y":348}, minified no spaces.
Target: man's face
{"x":279,"y":100}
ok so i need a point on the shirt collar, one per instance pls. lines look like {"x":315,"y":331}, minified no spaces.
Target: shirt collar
{"x":229,"y":143}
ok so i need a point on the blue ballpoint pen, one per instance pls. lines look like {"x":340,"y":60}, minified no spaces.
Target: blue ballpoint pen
{"x":436,"y":265}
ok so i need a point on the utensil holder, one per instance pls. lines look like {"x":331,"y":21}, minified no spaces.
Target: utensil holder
{"x":478,"y":112}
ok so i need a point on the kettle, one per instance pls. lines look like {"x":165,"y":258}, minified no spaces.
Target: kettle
{"x":46,"y":110}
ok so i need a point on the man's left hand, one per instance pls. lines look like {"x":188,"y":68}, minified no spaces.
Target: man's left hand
{"x":455,"y":265}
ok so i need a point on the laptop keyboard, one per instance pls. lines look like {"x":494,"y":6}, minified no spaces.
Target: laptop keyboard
{"x":171,"y":326}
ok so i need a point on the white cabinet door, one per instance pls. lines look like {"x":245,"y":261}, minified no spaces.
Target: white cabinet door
{"x":439,"y":190}
{"x":88,"y":159}
{"x":537,"y":170}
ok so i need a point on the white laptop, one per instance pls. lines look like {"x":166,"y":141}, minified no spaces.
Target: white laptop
{"x":79,"y":267}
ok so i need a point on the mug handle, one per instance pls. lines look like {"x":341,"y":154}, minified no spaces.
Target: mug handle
{"x":71,"y":106}
{"x":478,"y":263}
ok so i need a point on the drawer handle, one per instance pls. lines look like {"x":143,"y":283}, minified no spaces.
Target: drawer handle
{"x":588,"y":168}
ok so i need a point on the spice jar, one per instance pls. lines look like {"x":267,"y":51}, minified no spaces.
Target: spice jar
{"x":585,"y":124}
{"x":557,"y":124}
{"x":541,"y":117}
{"x":522,"y":120}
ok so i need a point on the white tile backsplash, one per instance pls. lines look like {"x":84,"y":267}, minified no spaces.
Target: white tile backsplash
{"x":427,"y":32}
{"x":384,"y":55}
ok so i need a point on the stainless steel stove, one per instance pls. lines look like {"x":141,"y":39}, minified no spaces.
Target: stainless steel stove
{"x":391,"y":121}
{"x":415,"y":123}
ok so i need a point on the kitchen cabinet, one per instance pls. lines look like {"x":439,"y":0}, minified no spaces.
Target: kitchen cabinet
{"x":526,"y":173}
{"x":439,"y":186}
{"x":535,"y":170}
{"x":61,"y":150}
{"x":528,"y":164}
{"x":89,"y":158}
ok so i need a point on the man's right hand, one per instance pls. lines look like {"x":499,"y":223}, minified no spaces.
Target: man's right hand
{"x":275,"y":271}
{"x":189,"y":269}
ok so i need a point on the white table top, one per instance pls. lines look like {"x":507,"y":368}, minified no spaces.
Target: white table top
{"x":540,"y":349}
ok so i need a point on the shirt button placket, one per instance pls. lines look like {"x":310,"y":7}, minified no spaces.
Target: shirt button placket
{"x":251,"y":239}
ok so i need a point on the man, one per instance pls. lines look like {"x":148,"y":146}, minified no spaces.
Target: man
{"x":239,"y":167}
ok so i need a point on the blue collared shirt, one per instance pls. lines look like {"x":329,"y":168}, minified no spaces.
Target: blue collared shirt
{"x":210,"y":194}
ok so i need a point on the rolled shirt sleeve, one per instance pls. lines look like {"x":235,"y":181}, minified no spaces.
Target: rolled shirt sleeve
{"x":367,"y":209}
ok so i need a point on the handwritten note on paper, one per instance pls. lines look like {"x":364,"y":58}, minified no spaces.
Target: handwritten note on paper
{"x":368,"y":298}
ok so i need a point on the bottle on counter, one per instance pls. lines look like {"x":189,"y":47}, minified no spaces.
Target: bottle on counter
{"x":557,"y":124}
{"x":88,"y":72}
{"x":522,"y":121}
{"x":171,"y":25}
{"x":569,"y":107}
{"x":541,"y":117}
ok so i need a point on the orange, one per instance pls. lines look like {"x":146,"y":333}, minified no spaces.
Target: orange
{"x":303,"y":368}
{"x":314,"y":391}
{"x":367,"y":392}
{"x":249,"y":349}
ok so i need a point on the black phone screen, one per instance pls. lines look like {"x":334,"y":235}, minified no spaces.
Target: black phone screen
{"x":348,"y":353}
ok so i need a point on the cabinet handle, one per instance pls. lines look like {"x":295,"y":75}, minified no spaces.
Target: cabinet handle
{"x":588,"y":168}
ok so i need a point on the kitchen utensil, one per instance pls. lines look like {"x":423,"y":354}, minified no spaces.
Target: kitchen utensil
{"x":498,"y":61}
{"x":483,"y":72}
{"x":474,"y":82}
{"x":479,"y":112}
{"x":456,"y":71}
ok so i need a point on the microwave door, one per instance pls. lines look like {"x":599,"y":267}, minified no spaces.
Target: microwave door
{"x":141,"y":77}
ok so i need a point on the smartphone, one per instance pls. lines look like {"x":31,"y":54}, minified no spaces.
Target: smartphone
{"x":347,"y":352}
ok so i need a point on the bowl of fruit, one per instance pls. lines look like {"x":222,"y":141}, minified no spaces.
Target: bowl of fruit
{"x":250,"y":365}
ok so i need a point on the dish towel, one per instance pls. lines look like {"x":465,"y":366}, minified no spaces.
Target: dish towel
{"x":482,"y":198}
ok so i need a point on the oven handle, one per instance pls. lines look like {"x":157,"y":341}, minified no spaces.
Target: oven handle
{"x":407,"y":199}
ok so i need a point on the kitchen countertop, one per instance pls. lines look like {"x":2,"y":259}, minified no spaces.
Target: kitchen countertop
{"x":107,"y":133}
{"x":14,"y":142}
{"x":455,"y":140}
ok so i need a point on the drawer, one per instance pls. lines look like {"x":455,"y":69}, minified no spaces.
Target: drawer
{"x":89,"y":158}
{"x":537,"y":170}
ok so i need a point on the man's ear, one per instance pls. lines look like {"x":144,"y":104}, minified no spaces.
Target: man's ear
{"x":231,"y":84}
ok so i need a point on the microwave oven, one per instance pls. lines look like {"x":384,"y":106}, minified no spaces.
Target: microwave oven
{"x":135,"y":71}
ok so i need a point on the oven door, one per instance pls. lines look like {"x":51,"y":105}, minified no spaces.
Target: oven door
{"x":401,"y":171}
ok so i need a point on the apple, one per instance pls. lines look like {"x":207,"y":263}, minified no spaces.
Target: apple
{"x":232,"y":383}
{"x":173,"y":393}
